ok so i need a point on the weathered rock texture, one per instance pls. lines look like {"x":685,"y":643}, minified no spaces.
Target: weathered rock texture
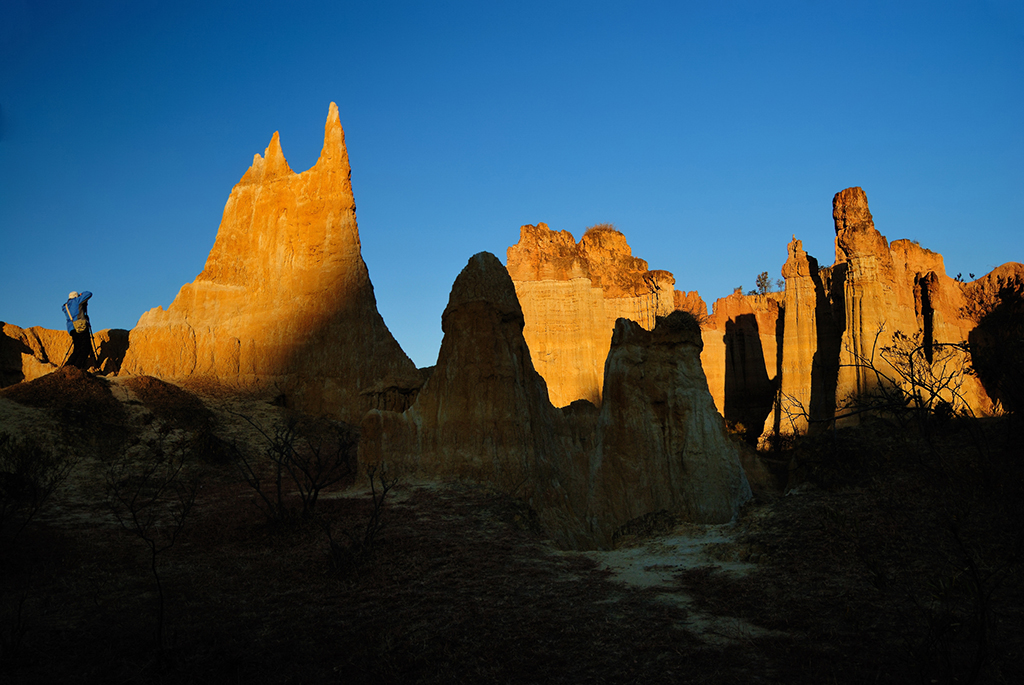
{"x":657,"y":443}
{"x":740,"y":356}
{"x":806,"y":383}
{"x":777,"y":362}
{"x":572,"y":293}
{"x":660,"y":438}
{"x":285,"y":300}
{"x":29,"y":353}
{"x":848,"y":327}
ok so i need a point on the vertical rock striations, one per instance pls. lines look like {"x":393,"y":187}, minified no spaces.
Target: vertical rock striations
{"x":285,"y":300}
{"x":740,"y":356}
{"x":484,"y":412}
{"x":572,"y":293}
{"x":805,"y":366}
{"x":876,"y":299}
{"x":851,"y":327}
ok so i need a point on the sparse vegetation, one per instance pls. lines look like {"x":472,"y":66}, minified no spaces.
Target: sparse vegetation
{"x":151,"y":494}
{"x":29,"y":474}
{"x":304,"y":457}
{"x":764,"y":285}
{"x":941,"y":536}
{"x":359,"y":541}
{"x":893,"y":560}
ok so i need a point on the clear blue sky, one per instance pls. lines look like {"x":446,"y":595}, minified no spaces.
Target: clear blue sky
{"x":707,"y":132}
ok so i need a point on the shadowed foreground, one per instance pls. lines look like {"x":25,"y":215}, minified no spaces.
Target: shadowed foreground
{"x":859,"y":577}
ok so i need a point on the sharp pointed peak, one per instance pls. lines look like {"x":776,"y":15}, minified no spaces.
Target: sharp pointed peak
{"x":274,"y":162}
{"x":334,"y":153}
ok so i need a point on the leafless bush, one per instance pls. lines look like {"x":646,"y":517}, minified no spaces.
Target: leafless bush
{"x":306,"y":458}
{"x":29,"y":475}
{"x":355,"y":544}
{"x":909,"y":381}
{"x":151,"y":495}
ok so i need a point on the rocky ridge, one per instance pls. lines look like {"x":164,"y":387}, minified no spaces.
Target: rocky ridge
{"x":774,"y":362}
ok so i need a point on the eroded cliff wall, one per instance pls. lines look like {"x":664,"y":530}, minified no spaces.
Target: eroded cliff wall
{"x":572,"y":293}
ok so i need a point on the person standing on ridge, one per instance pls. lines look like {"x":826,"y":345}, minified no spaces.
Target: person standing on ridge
{"x":75,"y":311}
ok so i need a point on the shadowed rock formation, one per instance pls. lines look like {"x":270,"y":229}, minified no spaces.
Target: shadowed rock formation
{"x":656,"y":445}
{"x":572,"y":293}
{"x":285,"y":301}
{"x":662,"y":445}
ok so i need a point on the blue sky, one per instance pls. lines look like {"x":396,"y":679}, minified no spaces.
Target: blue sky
{"x":708,"y":133}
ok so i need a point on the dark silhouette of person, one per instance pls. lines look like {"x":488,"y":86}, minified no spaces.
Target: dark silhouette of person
{"x":75,"y":311}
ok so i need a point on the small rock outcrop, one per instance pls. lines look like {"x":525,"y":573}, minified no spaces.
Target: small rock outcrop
{"x":572,"y":293}
{"x":285,"y":300}
{"x":30,"y":353}
{"x":657,"y":443}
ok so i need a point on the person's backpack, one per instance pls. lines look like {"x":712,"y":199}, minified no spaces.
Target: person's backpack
{"x":81,"y":323}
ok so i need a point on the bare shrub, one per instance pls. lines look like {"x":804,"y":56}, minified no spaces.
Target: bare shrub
{"x":354,"y":545}
{"x":151,"y":495}
{"x":29,"y":475}
{"x":304,"y":457}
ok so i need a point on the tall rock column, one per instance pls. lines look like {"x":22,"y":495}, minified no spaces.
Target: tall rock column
{"x":876,"y":303}
{"x":801,"y":382}
{"x":285,"y":301}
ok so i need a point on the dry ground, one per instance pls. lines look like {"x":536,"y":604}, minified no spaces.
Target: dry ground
{"x":888,"y":565}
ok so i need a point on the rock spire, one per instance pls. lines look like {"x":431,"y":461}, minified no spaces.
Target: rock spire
{"x":285,"y":300}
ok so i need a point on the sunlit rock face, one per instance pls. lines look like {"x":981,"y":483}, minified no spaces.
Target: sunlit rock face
{"x":30,"y":353}
{"x":572,"y":293}
{"x":805,"y":363}
{"x":876,"y":297}
{"x":894,"y":289}
{"x":740,"y":356}
{"x":284,"y":302}
{"x":848,"y":328}
{"x":657,"y":444}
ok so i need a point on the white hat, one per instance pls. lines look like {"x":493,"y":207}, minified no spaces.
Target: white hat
{"x":72,"y":295}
